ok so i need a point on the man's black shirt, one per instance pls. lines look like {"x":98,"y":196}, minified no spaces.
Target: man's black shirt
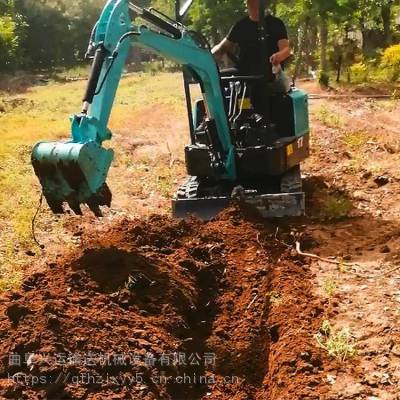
{"x":251,"y":57}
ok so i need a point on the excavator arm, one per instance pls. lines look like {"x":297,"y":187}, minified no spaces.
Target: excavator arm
{"x":75,"y":171}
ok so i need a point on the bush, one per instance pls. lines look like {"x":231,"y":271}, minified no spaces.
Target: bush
{"x":359,"y":72}
{"x":8,"y":42}
{"x":391,"y":61}
{"x":323,"y":78}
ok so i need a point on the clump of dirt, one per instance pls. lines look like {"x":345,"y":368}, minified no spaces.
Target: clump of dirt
{"x":163,"y":309}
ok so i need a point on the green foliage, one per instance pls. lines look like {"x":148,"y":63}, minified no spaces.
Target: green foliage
{"x":323,"y":78}
{"x":8,"y":41}
{"x":155,"y":67}
{"x":339,"y":345}
{"x":329,"y":118}
{"x":391,"y":61}
{"x":359,"y":72}
{"x":165,"y":6}
{"x":57,"y":31}
{"x":11,"y":28}
{"x":337,"y":207}
{"x":330,"y":287}
{"x":325,"y":34}
{"x":214,"y":18}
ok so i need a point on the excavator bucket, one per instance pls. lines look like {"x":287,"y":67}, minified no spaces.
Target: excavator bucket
{"x":73,"y":173}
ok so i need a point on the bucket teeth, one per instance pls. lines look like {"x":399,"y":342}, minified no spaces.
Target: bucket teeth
{"x":95,"y":209}
{"x":75,"y":207}
{"x":55,"y":206}
{"x":102,"y":198}
{"x":73,"y":173}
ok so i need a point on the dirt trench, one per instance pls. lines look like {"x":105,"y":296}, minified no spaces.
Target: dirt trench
{"x":163,"y":309}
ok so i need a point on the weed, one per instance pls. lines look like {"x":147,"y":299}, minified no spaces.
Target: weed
{"x":355,"y":165}
{"x":339,"y":345}
{"x":329,"y":118}
{"x":342,"y":268}
{"x":330,"y":287}
{"x":336,"y":206}
{"x":375,"y":168}
{"x":326,"y":327}
{"x":165,"y":183}
{"x":275,"y":298}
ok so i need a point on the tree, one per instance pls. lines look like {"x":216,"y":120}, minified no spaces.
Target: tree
{"x":214,"y":18}
{"x":47,"y":33}
{"x":57,"y":31}
{"x":11,"y":33}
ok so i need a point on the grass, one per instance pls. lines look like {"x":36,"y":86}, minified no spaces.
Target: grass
{"x":375,"y":168}
{"x":342,"y":268}
{"x":355,"y":140}
{"x":42,"y":113}
{"x":336,"y":206}
{"x":339,"y":345}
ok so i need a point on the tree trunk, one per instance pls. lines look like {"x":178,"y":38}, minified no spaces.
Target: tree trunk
{"x":301,"y":48}
{"x":386,"y":13}
{"x":339,"y":68}
{"x":323,"y":33}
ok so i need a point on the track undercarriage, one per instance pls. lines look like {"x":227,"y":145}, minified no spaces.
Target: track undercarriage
{"x":282,"y":198}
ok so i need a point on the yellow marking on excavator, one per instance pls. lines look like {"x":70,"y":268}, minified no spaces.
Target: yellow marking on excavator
{"x":246,"y":103}
{"x":289,"y":150}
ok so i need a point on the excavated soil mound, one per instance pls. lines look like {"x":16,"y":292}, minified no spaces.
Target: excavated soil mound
{"x":162,"y":309}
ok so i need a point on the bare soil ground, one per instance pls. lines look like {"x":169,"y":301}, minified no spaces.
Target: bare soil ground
{"x":230,"y":304}
{"x":165,"y":289}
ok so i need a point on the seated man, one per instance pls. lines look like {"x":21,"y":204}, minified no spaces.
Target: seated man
{"x":254,"y":58}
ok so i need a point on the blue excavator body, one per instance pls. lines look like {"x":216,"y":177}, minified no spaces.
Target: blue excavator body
{"x":75,"y":171}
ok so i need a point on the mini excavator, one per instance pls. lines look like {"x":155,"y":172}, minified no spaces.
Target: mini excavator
{"x":233,"y":152}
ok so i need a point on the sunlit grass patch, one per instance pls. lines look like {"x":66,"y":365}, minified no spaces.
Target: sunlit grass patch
{"x":42,"y":114}
{"x":328,"y":117}
{"x":10,"y":277}
{"x":356,"y":139}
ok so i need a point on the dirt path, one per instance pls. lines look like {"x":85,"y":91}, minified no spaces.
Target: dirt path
{"x":228,"y":309}
{"x":354,"y":185}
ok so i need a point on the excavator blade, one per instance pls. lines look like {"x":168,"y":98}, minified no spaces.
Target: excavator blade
{"x":73,"y":173}
{"x":205,"y":202}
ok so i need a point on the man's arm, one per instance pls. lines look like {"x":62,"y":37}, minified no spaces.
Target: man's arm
{"x":284,"y":52}
{"x":222,"y":48}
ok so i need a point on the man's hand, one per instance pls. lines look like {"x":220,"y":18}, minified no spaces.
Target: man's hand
{"x":225,"y":47}
{"x":283,"y":53}
{"x":275,"y":59}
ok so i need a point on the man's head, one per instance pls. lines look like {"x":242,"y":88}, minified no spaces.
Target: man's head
{"x":253,"y":8}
